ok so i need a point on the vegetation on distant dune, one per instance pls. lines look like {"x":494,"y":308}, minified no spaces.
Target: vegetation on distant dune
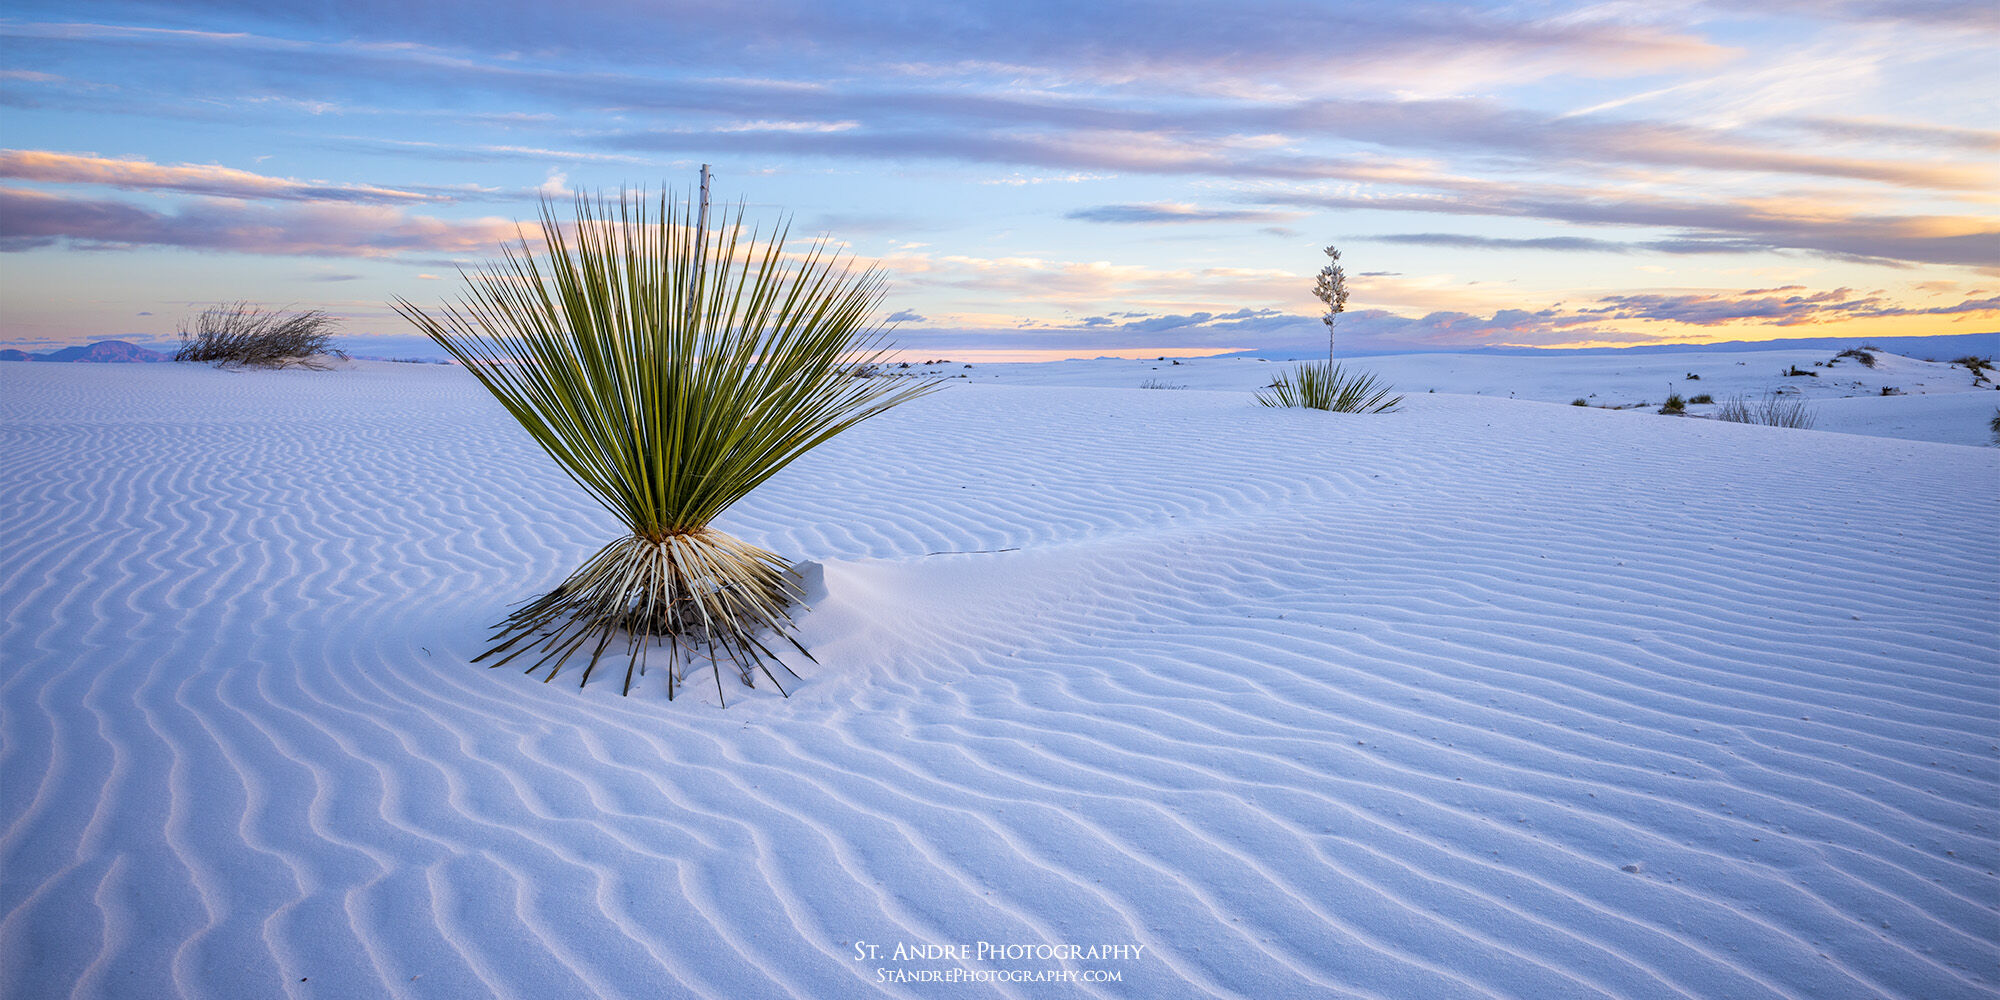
{"x":669,"y":370}
{"x":1329,"y":387}
{"x":239,"y":334}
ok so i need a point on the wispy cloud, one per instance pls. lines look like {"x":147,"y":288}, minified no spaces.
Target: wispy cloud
{"x":1904,"y":133}
{"x":132,"y":173}
{"x":1584,"y":244}
{"x":1159,"y":212}
{"x":1966,"y":240}
{"x":31,"y":219}
{"x":1793,"y":305}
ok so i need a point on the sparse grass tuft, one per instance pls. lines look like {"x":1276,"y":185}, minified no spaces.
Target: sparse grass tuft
{"x":1325,"y":386}
{"x":1860,"y":354}
{"x":1774,"y":409}
{"x":1153,"y":383}
{"x":1579,"y":402}
{"x":241,"y":335}
{"x":1702,"y":400}
{"x":1674,"y":406}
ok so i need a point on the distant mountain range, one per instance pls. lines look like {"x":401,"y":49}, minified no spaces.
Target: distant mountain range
{"x":102,"y":352}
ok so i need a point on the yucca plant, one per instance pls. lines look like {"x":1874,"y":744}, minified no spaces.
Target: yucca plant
{"x":669,"y":371}
{"x":1326,"y":386}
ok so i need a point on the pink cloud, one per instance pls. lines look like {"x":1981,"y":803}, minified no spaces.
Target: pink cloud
{"x":134,"y":174}
{"x":30,"y":219}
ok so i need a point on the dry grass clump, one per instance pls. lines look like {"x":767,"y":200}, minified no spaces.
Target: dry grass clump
{"x":1773,"y":409}
{"x":241,"y":335}
{"x":670,"y":370}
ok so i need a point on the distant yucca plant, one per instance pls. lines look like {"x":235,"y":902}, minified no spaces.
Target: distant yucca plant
{"x":669,"y":373}
{"x":1326,"y":387}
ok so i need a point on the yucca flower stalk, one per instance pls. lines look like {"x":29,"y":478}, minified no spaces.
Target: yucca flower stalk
{"x":669,"y":370}
{"x":1331,"y":288}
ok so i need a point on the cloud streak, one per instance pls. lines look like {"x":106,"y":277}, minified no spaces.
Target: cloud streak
{"x":1969,"y":241}
{"x":135,"y":174}
{"x":1174,"y":212}
{"x":33,"y":219}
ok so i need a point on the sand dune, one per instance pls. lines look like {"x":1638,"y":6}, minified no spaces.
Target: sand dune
{"x":1485,"y":698}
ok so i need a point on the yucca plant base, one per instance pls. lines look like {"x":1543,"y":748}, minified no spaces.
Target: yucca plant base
{"x":697,"y":593}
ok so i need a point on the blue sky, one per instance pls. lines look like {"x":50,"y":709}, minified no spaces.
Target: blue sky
{"x":1036,"y":177}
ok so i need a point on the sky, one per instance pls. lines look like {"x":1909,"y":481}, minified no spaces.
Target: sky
{"x":1038,"y":179}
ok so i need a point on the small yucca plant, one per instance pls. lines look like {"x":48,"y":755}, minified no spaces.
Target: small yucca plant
{"x":1326,"y":387}
{"x":669,"y":371}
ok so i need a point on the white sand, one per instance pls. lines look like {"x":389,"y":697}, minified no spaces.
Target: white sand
{"x":1483,"y":698}
{"x":1843,"y":396}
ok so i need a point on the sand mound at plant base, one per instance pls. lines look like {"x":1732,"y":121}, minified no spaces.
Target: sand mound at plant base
{"x":1484,"y":698}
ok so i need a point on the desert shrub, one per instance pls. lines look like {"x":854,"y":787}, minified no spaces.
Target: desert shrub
{"x":238,"y":334}
{"x":1976,"y":364}
{"x":1859,"y":354}
{"x":1325,"y":386}
{"x":1579,"y":402}
{"x":1702,"y":400}
{"x":1995,"y":426}
{"x":1674,"y":406}
{"x":669,"y":374}
{"x":1796,"y":370}
{"x":1773,"y":409}
{"x":1890,"y":390}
